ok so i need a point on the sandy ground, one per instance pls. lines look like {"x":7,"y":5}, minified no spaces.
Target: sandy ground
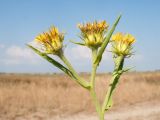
{"x":139,"y":111}
{"x":149,"y":110}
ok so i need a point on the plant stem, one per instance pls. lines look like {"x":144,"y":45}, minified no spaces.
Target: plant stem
{"x":92,"y":89}
{"x":113,"y":82}
{"x":81,"y":81}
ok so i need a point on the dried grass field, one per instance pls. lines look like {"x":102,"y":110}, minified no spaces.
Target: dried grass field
{"x":57,"y":97}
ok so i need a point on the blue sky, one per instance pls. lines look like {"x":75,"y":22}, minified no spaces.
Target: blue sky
{"x":22,"y":20}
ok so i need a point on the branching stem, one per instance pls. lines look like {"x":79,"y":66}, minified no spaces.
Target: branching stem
{"x":81,"y":81}
{"x":92,"y":89}
{"x":113,"y":82}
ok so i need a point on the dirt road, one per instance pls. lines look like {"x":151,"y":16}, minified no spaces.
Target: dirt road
{"x":139,"y":111}
{"x":149,"y":110}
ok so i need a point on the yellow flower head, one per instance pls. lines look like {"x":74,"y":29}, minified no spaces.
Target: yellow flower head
{"x":52,"y":41}
{"x":93,"y":33}
{"x":122,"y":44}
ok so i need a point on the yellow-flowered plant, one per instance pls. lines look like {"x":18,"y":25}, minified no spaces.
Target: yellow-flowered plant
{"x":96,"y":36}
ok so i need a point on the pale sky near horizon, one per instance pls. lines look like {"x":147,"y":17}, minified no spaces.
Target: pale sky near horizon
{"x":22,"y":20}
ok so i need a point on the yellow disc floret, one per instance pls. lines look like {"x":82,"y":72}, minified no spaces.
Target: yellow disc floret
{"x":122,"y":44}
{"x":52,"y":41}
{"x":93,"y":33}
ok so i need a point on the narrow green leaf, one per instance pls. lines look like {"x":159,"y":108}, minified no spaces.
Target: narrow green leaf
{"x":109,"y":104}
{"x":78,"y":43}
{"x":109,"y":101}
{"x":52,"y":61}
{"x":106,"y":41}
{"x":127,"y":69}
